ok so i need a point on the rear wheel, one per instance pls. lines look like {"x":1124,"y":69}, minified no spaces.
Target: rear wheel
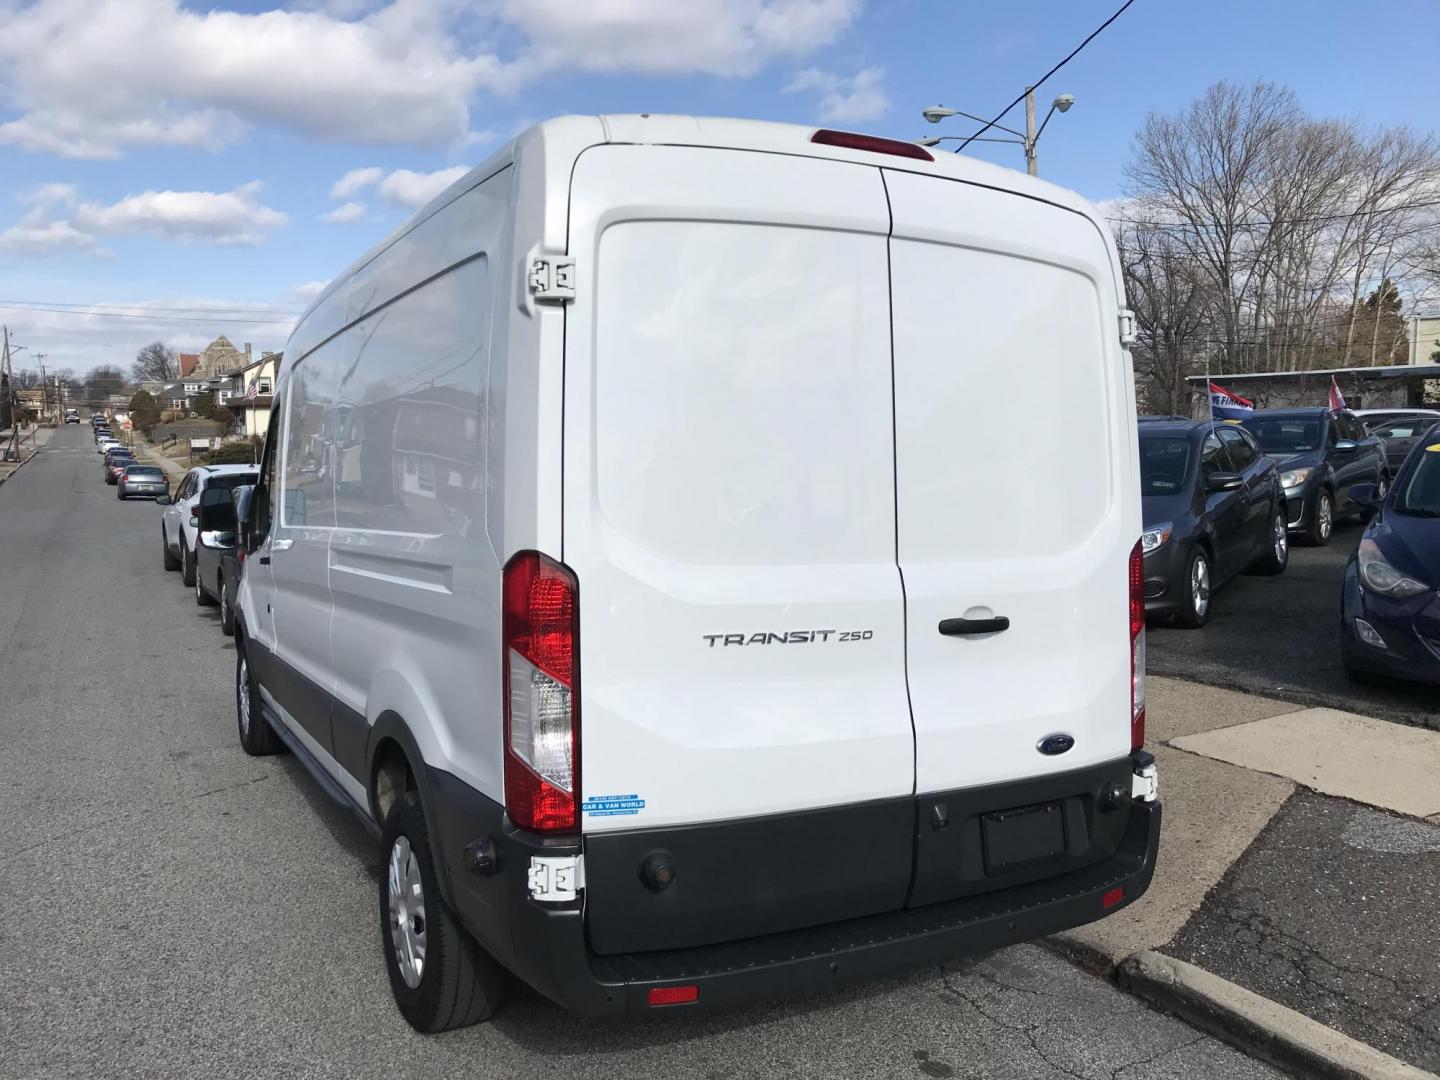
{"x":1195,"y":605}
{"x":440,"y":977}
{"x":1276,"y":555}
{"x":227,"y":614}
{"x":202,"y":598}
{"x":187,"y":566}
{"x":170,"y":562}
{"x":1322,"y":519}
{"x":257,"y":738}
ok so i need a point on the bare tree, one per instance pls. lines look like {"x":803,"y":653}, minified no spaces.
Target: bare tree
{"x":157,"y":362}
{"x":100,"y":383}
{"x":25,"y":379}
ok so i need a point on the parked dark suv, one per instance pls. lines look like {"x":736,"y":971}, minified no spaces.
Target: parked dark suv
{"x":1322,"y":455}
{"x":1213,"y":507}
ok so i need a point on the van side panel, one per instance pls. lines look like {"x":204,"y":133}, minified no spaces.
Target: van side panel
{"x":415,"y":584}
{"x":1016,"y":496}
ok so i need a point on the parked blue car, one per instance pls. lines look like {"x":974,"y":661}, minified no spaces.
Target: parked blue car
{"x":1390,"y":607}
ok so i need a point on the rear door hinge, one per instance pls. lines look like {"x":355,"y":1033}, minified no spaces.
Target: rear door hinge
{"x":556,"y":878}
{"x":551,"y":277}
{"x":1127,"y":327}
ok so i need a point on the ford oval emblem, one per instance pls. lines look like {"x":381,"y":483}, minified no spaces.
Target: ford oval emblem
{"x":1054,"y":744}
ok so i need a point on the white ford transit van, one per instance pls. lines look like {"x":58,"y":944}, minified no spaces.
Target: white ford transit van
{"x":644,"y":549}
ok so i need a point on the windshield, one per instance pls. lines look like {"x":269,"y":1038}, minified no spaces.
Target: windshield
{"x":1164,"y":461}
{"x":1420,"y":494}
{"x":1285,"y":435}
{"x":144,"y":472}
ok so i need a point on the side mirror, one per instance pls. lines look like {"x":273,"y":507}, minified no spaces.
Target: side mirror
{"x":1365,"y":496}
{"x":217,"y":538}
{"x":1344,"y":446}
{"x":1224,"y":481}
{"x":162,"y":500}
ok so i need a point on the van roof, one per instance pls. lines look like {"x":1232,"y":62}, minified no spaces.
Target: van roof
{"x":559,"y":141}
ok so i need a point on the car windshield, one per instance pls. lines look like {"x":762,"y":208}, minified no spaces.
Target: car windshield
{"x":1420,"y":494}
{"x":1285,"y":434}
{"x":143,"y":472}
{"x":1164,"y":461}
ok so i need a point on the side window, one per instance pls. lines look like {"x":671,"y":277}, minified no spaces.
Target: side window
{"x":1213,"y":458}
{"x":1332,"y":432}
{"x":263,"y":497}
{"x":1239,"y":450}
{"x":187,"y":487}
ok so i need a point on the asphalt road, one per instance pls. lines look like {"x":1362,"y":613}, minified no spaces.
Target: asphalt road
{"x":1362,"y":957}
{"x":172,"y":908}
{"x":1280,"y":637}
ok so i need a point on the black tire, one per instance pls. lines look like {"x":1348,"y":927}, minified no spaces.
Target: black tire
{"x":227,"y":613}
{"x":459,"y":984}
{"x":202,"y":598}
{"x":1193,"y":612}
{"x":1276,"y":556}
{"x":170,"y":562}
{"x":1382,"y":484}
{"x":1322,"y":520}
{"x":187,"y":566}
{"x":257,"y":738}
{"x":119,"y":494}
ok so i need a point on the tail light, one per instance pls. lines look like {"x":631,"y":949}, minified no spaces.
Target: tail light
{"x":540,"y":634}
{"x":1137,"y":647}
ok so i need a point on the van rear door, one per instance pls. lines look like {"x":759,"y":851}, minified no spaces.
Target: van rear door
{"x":729,"y":511}
{"x":1015,"y":501}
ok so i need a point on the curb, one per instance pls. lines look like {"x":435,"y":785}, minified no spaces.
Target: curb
{"x":1260,"y":1027}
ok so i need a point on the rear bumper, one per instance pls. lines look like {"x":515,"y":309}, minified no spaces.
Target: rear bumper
{"x":547,"y":944}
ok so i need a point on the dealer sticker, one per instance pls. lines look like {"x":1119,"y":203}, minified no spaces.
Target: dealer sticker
{"x":612,"y":805}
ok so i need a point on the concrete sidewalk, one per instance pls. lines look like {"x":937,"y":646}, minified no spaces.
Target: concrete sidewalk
{"x":1250,"y":859}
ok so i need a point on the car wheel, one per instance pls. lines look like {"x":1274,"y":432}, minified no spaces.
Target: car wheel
{"x":1322,"y":520}
{"x":202,"y":598}
{"x":440,"y":976}
{"x":227,"y":614}
{"x":1382,"y":488}
{"x":257,"y":738}
{"x":119,"y":492}
{"x":1195,"y":604}
{"x":187,"y":566}
{"x":168,"y":559}
{"x":1276,"y":555}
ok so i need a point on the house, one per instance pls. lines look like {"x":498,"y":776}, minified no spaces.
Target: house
{"x":189,"y":361}
{"x":1423,"y":337}
{"x":248,"y":393}
{"x":219,"y":359}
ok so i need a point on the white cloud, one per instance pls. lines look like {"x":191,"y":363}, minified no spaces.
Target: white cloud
{"x":95,"y":78}
{"x":662,"y":37}
{"x":308,"y":290}
{"x":344,"y":214}
{"x":844,"y":99}
{"x":415,"y":189}
{"x":58,"y":218}
{"x":356,"y":180}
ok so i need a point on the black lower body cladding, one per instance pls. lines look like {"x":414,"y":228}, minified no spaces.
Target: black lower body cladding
{"x":1105,"y":859}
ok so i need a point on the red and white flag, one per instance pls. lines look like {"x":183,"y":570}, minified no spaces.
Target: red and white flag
{"x":253,"y":390}
{"x":1337,"y":399}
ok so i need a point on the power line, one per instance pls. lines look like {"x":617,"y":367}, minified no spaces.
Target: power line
{"x":257,"y":321}
{"x":1036,"y":85}
{"x":1279,"y":221}
{"x":193,"y":309}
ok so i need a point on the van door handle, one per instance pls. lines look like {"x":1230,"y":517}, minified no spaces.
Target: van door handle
{"x":264,"y":560}
{"x":963,"y":627}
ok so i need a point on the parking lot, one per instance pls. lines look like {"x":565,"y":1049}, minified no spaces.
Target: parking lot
{"x":1280,"y":636}
{"x":171,"y":907}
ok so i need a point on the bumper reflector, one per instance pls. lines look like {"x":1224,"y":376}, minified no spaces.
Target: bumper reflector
{"x":674,"y":995}
{"x":1113,"y":897}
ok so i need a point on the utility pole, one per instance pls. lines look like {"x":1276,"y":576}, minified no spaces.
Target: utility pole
{"x":1031,"y":165}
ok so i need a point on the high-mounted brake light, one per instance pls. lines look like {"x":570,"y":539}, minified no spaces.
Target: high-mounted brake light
{"x":1137,"y":647}
{"x":876,"y":145}
{"x":539,"y":637}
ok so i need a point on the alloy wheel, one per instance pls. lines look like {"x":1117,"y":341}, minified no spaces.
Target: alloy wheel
{"x":407,"y":912}
{"x":1281,"y":539}
{"x":1327,"y":516}
{"x":1200,"y":586}
{"x":242,"y":694}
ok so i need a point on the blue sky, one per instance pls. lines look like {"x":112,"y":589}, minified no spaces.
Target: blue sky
{"x":182,"y":156}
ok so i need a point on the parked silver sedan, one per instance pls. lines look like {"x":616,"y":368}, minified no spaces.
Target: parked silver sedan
{"x":145,"y":480}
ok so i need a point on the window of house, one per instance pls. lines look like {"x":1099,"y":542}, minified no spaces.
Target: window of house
{"x":264,"y":386}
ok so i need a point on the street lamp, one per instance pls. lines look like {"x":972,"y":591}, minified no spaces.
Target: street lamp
{"x":935,"y":113}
